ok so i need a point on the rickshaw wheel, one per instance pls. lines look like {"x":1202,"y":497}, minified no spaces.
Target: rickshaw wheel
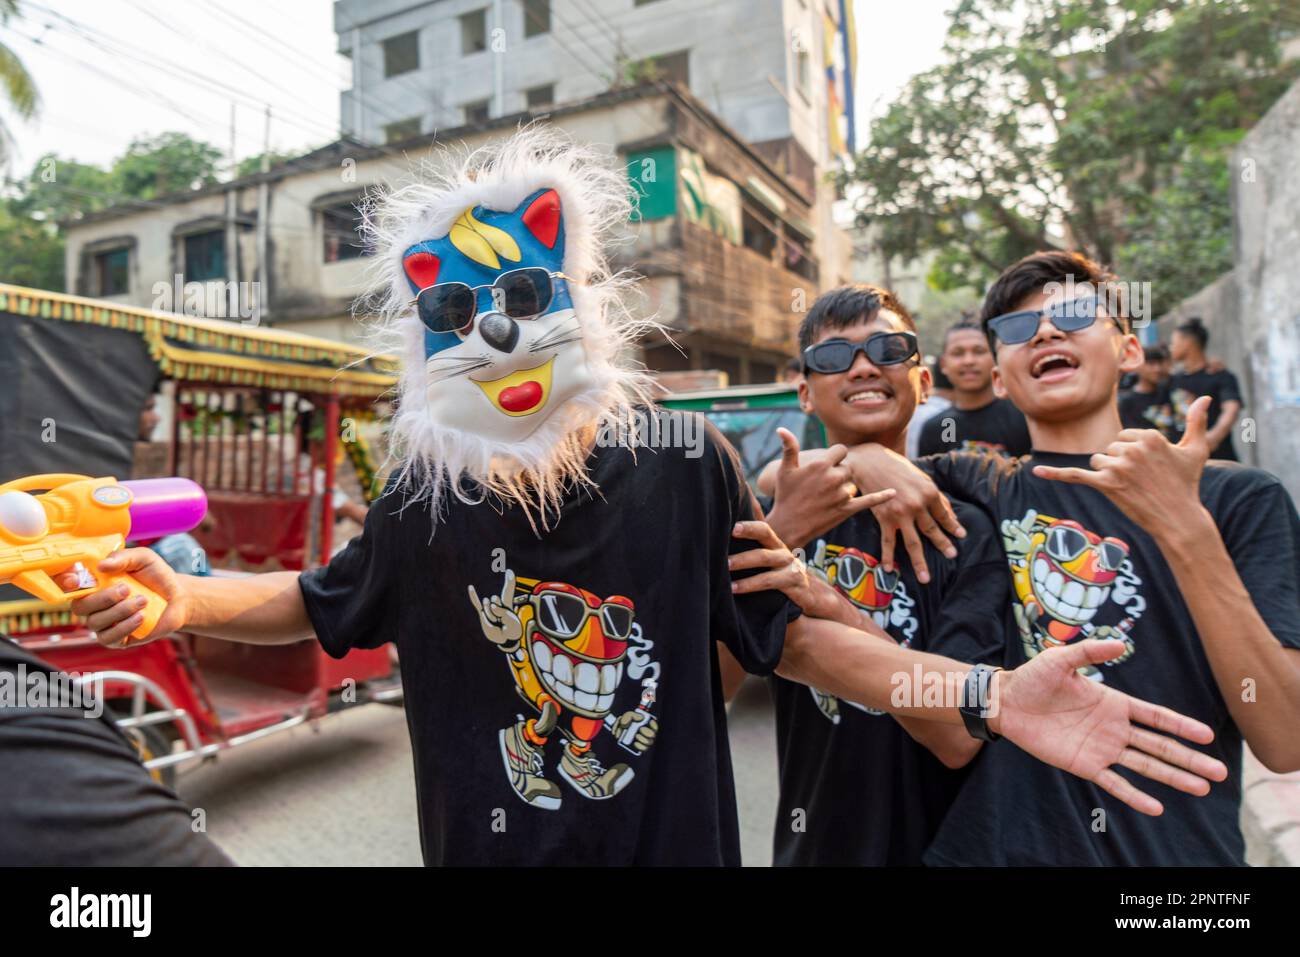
{"x":149,"y":742}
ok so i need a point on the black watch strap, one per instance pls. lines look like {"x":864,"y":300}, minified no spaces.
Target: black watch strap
{"x":974,"y":698}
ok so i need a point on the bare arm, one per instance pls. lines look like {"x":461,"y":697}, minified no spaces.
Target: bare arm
{"x":1237,"y":641}
{"x":260,"y":609}
{"x":1044,"y":707}
{"x":1228,"y":413}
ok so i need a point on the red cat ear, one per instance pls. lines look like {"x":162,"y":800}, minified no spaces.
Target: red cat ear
{"x":421,"y":269}
{"x":542,"y":217}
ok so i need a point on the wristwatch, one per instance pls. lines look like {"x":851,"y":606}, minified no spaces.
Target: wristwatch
{"x":974,"y":697}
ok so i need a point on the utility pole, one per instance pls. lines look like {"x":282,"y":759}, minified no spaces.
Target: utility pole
{"x":263,"y":208}
{"x":498,"y":62}
{"x":232,"y":233}
{"x":358,"y":130}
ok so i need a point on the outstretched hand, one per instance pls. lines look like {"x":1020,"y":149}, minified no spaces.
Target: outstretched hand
{"x":1060,"y":717}
{"x":1151,"y":480}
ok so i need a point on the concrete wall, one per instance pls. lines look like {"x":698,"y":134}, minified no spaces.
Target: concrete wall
{"x":1253,"y":313}
{"x":1266,"y":201}
{"x":737,"y":48}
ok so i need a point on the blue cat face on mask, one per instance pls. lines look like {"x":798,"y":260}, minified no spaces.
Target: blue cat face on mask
{"x":502,"y":348}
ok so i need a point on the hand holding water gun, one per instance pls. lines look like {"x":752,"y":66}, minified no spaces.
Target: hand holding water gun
{"x":74,"y":528}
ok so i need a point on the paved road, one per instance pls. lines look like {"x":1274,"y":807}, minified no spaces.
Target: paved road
{"x":344,"y":794}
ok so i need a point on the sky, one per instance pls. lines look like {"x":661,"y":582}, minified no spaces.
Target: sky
{"x":110,"y":71}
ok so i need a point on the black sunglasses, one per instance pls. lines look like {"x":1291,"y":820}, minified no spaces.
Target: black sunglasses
{"x":837,"y":355}
{"x":1014,"y":328}
{"x":519,"y":294}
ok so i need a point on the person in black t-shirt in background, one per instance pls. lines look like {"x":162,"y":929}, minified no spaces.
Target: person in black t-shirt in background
{"x":1196,"y":378}
{"x":978,"y":420}
{"x":1119,"y":533}
{"x":857,"y":787}
{"x":1146,"y":405}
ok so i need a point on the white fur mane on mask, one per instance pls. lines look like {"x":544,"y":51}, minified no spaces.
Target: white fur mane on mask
{"x":595,"y":203}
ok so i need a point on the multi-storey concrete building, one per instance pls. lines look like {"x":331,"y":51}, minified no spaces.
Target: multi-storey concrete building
{"x":724,"y":240}
{"x":778,"y":72}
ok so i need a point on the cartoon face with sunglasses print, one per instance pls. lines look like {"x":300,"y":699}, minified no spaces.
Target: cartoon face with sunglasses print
{"x":879,"y":594}
{"x":567,"y":649}
{"x":502,"y":343}
{"x":1064,"y":575}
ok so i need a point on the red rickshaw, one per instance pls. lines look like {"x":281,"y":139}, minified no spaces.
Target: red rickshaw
{"x":262,"y":419}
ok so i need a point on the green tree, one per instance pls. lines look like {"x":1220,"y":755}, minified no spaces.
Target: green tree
{"x":164,"y":164}
{"x":60,"y":189}
{"x":19,"y":88}
{"x":1182,"y":239}
{"x":253,"y":164}
{"x":31,"y":252}
{"x":1063,"y":121}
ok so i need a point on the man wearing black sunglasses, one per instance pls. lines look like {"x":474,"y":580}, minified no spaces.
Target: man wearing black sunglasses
{"x":1118,"y":533}
{"x":873,"y":789}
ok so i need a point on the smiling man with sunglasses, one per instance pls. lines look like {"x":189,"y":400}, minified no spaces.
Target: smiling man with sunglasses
{"x":1117,"y":533}
{"x":857,"y":786}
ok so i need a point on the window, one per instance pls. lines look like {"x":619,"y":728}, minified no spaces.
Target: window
{"x":205,"y":256}
{"x":401,"y":130}
{"x":401,"y":54}
{"x":473,"y":32}
{"x":537,"y":17}
{"x":758,"y":231}
{"x":111,"y":272}
{"x":540,"y":97}
{"x":798,"y":255}
{"x":342,"y":230}
{"x":801,"y":74}
{"x":476,"y":112}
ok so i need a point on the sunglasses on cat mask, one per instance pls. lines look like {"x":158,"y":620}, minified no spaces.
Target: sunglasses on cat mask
{"x":837,"y":355}
{"x":1013,"y":328}
{"x":520,"y":294}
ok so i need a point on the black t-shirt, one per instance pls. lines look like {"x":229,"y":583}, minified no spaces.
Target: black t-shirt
{"x":592,"y":730}
{"x":856,"y":789}
{"x":996,"y":427}
{"x":75,"y":793}
{"x":1186,"y":387}
{"x":1148,"y":410}
{"x":1080,"y":568}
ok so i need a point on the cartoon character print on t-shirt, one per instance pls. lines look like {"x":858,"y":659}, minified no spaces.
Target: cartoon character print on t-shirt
{"x":569,"y":651}
{"x":880,"y":595}
{"x":978,"y":445}
{"x":1069,"y":583}
{"x":1162,"y":416}
{"x":1180,"y":400}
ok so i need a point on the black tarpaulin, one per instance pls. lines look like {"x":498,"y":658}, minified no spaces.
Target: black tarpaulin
{"x":71,"y":394}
